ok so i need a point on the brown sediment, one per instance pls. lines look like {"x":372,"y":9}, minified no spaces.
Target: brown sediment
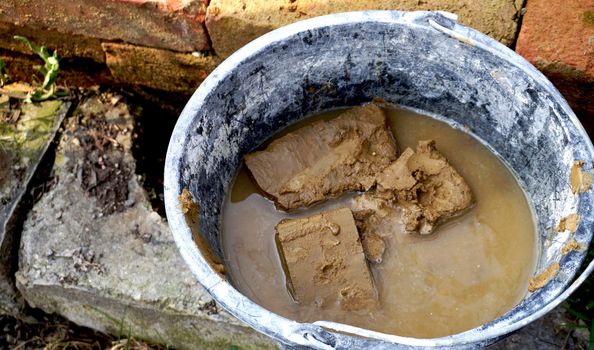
{"x":373,"y":245}
{"x":570,"y":246}
{"x":425,"y":186}
{"x":324,"y":261}
{"x":325,"y":159}
{"x":376,"y":219}
{"x":570,"y":223}
{"x":544,"y":277}
{"x":580,"y":180}
{"x":191,"y":212}
{"x":186,"y":202}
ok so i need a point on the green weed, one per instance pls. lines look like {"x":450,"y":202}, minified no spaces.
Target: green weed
{"x":49,"y":71}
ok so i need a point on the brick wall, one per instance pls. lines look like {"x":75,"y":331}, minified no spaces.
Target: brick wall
{"x":172,"y":45}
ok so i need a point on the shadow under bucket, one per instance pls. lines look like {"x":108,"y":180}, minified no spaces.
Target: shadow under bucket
{"x":423,"y":61}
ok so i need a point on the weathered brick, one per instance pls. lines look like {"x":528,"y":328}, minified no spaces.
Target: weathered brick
{"x":73,"y":71}
{"x":557,"y":36}
{"x":77,"y":46}
{"x":170,"y":24}
{"x":157,"y":68}
{"x":233,"y":23}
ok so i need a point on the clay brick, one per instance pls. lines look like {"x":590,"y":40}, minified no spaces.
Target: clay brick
{"x":170,"y":24}
{"x":557,"y":36}
{"x":156,"y":68}
{"x":233,"y":23}
{"x":324,"y":261}
{"x":73,"y":72}
{"x":76,"y":46}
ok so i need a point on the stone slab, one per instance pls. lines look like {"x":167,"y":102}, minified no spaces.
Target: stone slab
{"x":233,"y":23}
{"x":94,"y":251}
{"x":557,"y":36}
{"x":26,"y":131}
{"x":170,"y":24}
{"x":157,"y":68}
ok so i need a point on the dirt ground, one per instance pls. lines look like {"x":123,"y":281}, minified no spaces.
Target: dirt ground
{"x":49,"y":332}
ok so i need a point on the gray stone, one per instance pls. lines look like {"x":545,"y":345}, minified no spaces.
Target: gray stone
{"x":26,"y":132}
{"x":94,"y":251}
{"x":551,"y":332}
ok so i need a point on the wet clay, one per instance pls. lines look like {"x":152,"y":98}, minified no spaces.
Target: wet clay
{"x":372,"y":243}
{"x":544,"y":277}
{"x":325,"y":262}
{"x":425,"y":186}
{"x":569,"y":223}
{"x":571,"y":246}
{"x":325,"y":158}
{"x":580,"y":180}
{"x":472,"y":269}
{"x":191,"y":212}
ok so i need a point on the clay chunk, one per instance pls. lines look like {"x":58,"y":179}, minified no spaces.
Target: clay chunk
{"x":425,"y":186}
{"x":373,"y":244}
{"x":325,"y":159}
{"x":324,"y":261}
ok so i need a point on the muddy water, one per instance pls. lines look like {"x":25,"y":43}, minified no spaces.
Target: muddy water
{"x":470,"y":271}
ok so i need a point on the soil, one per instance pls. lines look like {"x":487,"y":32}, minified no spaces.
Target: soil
{"x":153,"y":128}
{"x":48,"y":332}
{"x":104,"y":172}
{"x":40,"y":331}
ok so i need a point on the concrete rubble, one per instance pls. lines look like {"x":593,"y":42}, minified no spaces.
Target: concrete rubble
{"x":26,"y":131}
{"x":95,"y":252}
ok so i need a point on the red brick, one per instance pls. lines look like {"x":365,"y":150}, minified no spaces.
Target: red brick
{"x":557,"y":36}
{"x":73,"y":72}
{"x":233,"y":23}
{"x":170,"y":24}
{"x":76,"y":46}
{"x":157,"y":68}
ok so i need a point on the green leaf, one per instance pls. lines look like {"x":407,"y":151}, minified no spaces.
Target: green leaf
{"x":49,"y":71}
{"x":577,"y":314}
{"x":36,"y":49}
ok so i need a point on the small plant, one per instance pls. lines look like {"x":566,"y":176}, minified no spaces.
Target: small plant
{"x":49,"y":71}
{"x":4,"y":78}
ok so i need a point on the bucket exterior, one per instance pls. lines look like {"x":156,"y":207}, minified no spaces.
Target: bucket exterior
{"x":423,"y":61}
